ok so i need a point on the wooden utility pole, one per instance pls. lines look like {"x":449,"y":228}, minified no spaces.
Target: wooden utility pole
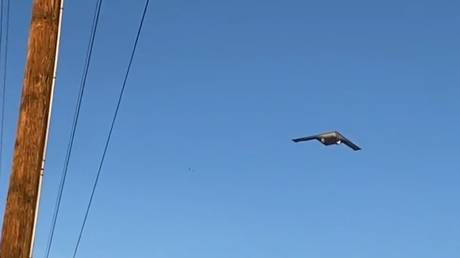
{"x":30,"y":147}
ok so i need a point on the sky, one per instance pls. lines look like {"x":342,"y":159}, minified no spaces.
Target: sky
{"x":201,"y":164}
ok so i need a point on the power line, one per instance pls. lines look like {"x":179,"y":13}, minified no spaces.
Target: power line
{"x":3,"y":86}
{"x":5,"y":64}
{"x":120,"y":97}
{"x":89,"y":52}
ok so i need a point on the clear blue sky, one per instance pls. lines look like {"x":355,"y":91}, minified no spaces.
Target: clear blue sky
{"x":221,"y":87}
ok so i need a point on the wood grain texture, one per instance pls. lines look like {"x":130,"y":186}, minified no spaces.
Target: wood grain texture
{"x":19,"y":215}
